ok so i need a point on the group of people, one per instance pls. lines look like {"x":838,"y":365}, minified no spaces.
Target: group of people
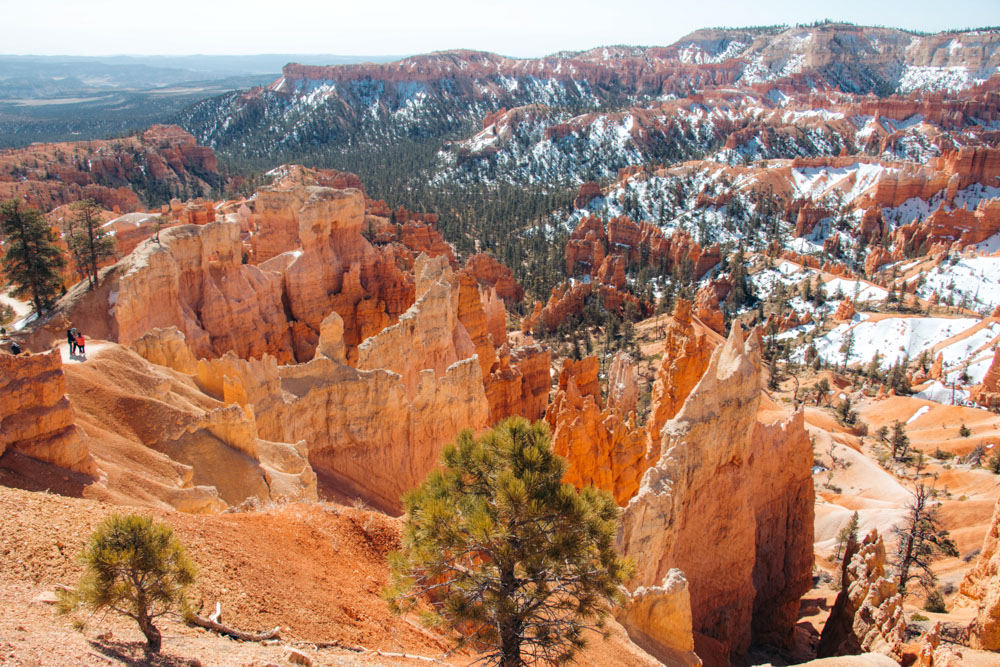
{"x":76,"y":342}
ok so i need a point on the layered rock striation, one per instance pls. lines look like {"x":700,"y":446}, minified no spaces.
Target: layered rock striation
{"x":36,"y":417}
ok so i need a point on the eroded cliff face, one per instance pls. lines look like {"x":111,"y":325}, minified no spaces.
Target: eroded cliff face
{"x":373,"y":432}
{"x":605,"y":447}
{"x":685,"y":357}
{"x":36,"y":417}
{"x":194,"y":280}
{"x":981,"y":586}
{"x":312,"y":236}
{"x":868,"y":613}
{"x":706,"y":504}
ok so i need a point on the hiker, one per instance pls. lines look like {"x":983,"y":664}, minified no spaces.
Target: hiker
{"x":80,"y":342}
{"x":15,"y":349}
{"x":71,"y":339}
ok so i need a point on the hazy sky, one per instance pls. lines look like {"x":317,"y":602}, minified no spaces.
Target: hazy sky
{"x":370,"y":27}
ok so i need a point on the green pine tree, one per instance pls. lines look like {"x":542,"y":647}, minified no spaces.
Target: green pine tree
{"x":134,"y":567}
{"x":32,"y":261}
{"x":89,"y":243}
{"x":503,"y":552}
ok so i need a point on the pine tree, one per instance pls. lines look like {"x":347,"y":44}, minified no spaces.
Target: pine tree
{"x":848,"y":534}
{"x":32,"y":261}
{"x":921,"y":540}
{"x":134,"y":567}
{"x":518,"y":563}
{"x":899,"y":441}
{"x":88,"y":242}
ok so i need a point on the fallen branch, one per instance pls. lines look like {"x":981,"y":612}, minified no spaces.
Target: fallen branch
{"x":362,"y":649}
{"x":208,"y":624}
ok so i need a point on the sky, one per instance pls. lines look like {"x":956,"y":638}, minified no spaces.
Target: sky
{"x":520,"y":28}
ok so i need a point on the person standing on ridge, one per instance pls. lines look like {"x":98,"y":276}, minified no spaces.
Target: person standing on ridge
{"x":71,"y":339}
{"x":80,"y":343}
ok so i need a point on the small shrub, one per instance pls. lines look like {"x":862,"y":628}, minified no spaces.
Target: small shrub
{"x":134,"y":567}
{"x":965,"y":431}
{"x":917,"y":616}
{"x":972,"y":554}
{"x":995,"y":464}
{"x":935,"y":603}
{"x":942,"y":455}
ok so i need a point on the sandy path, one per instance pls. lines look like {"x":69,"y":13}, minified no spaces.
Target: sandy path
{"x":92,"y":349}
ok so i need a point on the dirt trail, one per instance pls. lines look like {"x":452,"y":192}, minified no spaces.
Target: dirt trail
{"x":315,"y":569}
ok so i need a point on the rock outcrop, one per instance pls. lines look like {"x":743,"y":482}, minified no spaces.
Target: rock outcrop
{"x":491,"y":272}
{"x":36,"y":417}
{"x":685,"y":357}
{"x":518,"y":384}
{"x":605,"y":448}
{"x":981,"y":586}
{"x":194,"y":280}
{"x":327,"y":265}
{"x":373,"y":432}
{"x":845,"y":311}
{"x":429,"y":335}
{"x":709,"y":501}
{"x":162,"y":439}
{"x":987,"y":393}
{"x":867,"y":615}
{"x":163,"y":158}
{"x":166,"y":347}
{"x":658,"y":619}
{"x":706,"y":309}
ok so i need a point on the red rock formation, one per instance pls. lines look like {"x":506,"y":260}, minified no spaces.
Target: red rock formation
{"x":867,"y":615}
{"x":981,"y":586}
{"x":604,"y":447}
{"x":712,"y":485}
{"x":194,"y":279}
{"x":533,"y":319}
{"x":36,"y":417}
{"x":685,"y":358}
{"x":586,"y":246}
{"x":706,"y":309}
{"x":533,"y":362}
{"x":937,"y":368}
{"x":49,"y":175}
{"x":987,"y":394}
{"x":491,"y":272}
{"x":424,"y":238}
{"x":337,"y":269}
{"x":845,"y":311}
{"x":334,"y":407}
{"x":807,"y":217}
{"x":429,"y":336}
{"x":612,"y":272}
{"x":877,"y":258}
{"x":496,"y":315}
{"x":584,"y":372}
{"x":588,"y":191}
